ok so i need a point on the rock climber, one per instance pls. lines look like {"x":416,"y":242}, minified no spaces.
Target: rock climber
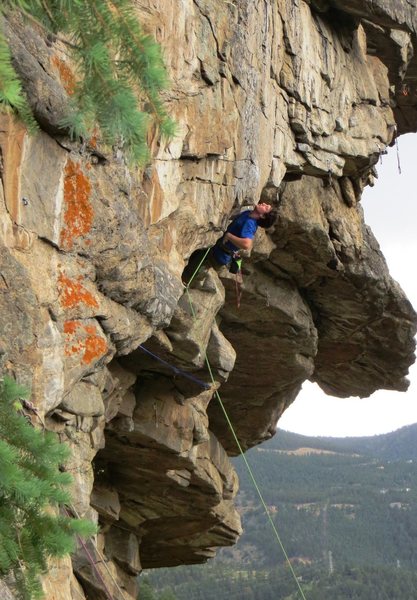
{"x":239,"y":236}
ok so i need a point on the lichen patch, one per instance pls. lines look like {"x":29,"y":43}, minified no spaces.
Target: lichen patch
{"x":78,"y":215}
{"x":84,"y":341}
{"x":72,"y":293}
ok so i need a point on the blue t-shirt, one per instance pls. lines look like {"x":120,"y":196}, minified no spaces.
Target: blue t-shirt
{"x":242,"y":226}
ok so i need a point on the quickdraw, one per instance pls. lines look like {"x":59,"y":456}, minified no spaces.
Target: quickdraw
{"x":235,"y":268}
{"x":405,"y":90}
{"x":239,"y":283}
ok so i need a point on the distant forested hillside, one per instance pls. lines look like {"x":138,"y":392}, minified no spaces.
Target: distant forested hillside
{"x":400,"y":444}
{"x":345,"y":510}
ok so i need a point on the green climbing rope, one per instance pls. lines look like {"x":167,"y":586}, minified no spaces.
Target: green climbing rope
{"x":248,"y":467}
{"x":198,"y":267}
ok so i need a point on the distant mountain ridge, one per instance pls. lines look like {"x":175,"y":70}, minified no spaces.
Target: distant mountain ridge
{"x":399,"y":444}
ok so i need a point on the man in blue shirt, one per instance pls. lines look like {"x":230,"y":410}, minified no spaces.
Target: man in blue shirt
{"x":239,"y":236}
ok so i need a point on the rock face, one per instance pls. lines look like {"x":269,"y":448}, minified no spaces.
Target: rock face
{"x":291,"y":102}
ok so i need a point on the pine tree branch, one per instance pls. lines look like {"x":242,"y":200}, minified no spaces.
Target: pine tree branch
{"x":29,"y":535}
{"x":140,"y":45}
{"x":48,"y":12}
{"x":121,"y":68}
{"x":47,"y":30}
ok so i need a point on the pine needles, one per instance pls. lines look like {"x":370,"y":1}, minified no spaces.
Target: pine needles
{"x":120,"y":71}
{"x":30,"y":484}
{"x":11,"y":93}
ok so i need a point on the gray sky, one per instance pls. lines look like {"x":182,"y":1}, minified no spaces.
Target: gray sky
{"x":391,"y":211}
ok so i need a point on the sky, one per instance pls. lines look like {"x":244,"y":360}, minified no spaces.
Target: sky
{"x":391,"y":211}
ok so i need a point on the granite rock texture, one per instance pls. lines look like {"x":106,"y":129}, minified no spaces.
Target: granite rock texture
{"x":291,"y":102}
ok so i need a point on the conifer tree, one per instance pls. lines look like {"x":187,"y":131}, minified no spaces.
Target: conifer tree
{"x":11,"y":93}
{"x":119,"y":69}
{"x":32,"y":488}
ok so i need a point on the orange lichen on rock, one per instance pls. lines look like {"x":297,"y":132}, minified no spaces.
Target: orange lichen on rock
{"x":84,"y":340}
{"x":93,"y":142}
{"x":78,"y":216}
{"x":65,"y":74}
{"x":72,"y":293}
{"x":95,"y":345}
{"x":70,"y":327}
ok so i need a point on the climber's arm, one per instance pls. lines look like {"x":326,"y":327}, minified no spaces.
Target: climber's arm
{"x":242,"y":243}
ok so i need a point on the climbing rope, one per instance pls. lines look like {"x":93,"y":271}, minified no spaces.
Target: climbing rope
{"x":198,"y":267}
{"x":175,"y":369}
{"x":256,"y":486}
{"x":96,"y":571}
{"x":102,"y":559}
{"x":398,"y":150}
{"x":238,"y":284}
{"x":29,"y":406}
{"x":89,"y":557}
{"x":248,"y":467}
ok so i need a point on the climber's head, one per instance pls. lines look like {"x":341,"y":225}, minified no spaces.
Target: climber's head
{"x":265,"y":215}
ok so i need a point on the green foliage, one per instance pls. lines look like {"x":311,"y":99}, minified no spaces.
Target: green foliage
{"x":167,"y":594}
{"x":348,"y":583}
{"x":354,"y":501}
{"x":146,"y":592}
{"x":31,"y":485}
{"x":382,"y":583}
{"x":11,"y":93}
{"x":120,"y":71}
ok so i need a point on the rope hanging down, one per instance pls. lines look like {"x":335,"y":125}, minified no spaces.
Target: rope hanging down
{"x":198,"y":268}
{"x":255,"y":484}
{"x":238,"y":285}
{"x":102,"y":560}
{"x":90,"y":559}
{"x":248,"y":467}
{"x":29,"y":406}
{"x":398,"y":150}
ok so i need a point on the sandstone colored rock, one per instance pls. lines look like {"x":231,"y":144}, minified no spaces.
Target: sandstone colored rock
{"x":85,"y":400}
{"x":289,"y":102}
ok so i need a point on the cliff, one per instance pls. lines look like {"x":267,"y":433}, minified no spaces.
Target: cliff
{"x":291,"y":102}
